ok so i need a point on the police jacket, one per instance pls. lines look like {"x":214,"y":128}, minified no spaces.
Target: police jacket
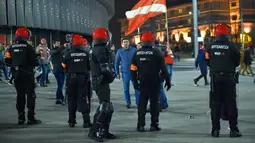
{"x":56,"y":57}
{"x":223,"y":56}
{"x":22,"y":56}
{"x":99,"y":55}
{"x":149,"y":62}
{"x":76,"y":61}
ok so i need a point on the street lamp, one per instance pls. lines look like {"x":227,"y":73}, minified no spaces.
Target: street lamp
{"x":195,"y":26}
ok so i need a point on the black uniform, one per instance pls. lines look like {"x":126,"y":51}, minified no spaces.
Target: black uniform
{"x":149,"y":62}
{"x":223,"y":57}
{"x":22,"y":57}
{"x":102,"y":76}
{"x":78,"y":67}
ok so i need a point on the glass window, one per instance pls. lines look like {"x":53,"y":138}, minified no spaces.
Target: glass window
{"x":172,"y":12}
{"x":189,"y":21}
{"x":180,"y":10}
{"x":206,"y":5}
{"x":233,"y":4}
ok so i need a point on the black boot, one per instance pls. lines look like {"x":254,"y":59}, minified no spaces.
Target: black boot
{"x":72,"y":120}
{"x":86,"y":121}
{"x":21,"y":118}
{"x":106,"y":133}
{"x":95,"y":133}
{"x":234,"y":133}
{"x":215,"y":133}
{"x":140,"y":128}
{"x":31,"y":119}
{"x":155,"y":128}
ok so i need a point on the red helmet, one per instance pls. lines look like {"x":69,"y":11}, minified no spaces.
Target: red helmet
{"x":100,"y":33}
{"x":147,"y":39}
{"x":222,"y":29}
{"x":77,"y":40}
{"x":22,"y":32}
{"x":101,"y":36}
{"x":85,"y":42}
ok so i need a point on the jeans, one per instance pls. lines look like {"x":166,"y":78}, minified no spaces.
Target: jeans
{"x":163,"y":98}
{"x":60,"y":77}
{"x":48,"y":71}
{"x":169,"y":68}
{"x":126,"y":83}
{"x":44,"y":74}
{"x":3,"y":67}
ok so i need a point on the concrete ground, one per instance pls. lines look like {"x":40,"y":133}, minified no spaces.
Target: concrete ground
{"x":178,"y":126}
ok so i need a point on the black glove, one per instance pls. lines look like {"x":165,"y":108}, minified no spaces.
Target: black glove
{"x":167,"y":84}
{"x":136,"y":85}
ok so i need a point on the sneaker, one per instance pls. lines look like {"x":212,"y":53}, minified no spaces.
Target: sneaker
{"x":59,"y":102}
{"x":195,"y":82}
{"x":128,"y":106}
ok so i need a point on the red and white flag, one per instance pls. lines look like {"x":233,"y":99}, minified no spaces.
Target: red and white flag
{"x":142,"y":11}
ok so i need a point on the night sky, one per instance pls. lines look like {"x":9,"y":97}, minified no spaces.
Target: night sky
{"x":121,"y":6}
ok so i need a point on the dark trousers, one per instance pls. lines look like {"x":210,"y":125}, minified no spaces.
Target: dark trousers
{"x":149,"y":93}
{"x":102,"y":117}
{"x":25,"y":86}
{"x":223,"y":94}
{"x":60,"y":77}
{"x":202,"y":76}
{"x":77,"y":98}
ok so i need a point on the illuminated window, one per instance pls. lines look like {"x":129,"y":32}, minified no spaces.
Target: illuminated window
{"x":180,"y":10}
{"x":189,"y":21}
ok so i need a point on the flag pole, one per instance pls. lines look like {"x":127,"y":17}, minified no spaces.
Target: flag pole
{"x":166,"y":26}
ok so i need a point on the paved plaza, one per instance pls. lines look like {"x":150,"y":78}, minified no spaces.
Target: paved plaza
{"x":185,"y":121}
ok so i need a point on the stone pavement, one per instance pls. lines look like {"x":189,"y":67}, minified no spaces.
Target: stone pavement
{"x":185,"y":101}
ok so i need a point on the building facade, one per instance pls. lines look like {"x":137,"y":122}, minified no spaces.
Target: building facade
{"x":52,"y":19}
{"x":210,"y":13}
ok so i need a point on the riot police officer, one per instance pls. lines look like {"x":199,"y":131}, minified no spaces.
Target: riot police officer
{"x":22,"y":57}
{"x":223,"y":58}
{"x":76,"y":63}
{"x":149,"y":62}
{"x":102,"y":76}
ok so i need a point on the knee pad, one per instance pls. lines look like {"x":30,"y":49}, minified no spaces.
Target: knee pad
{"x":106,"y":107}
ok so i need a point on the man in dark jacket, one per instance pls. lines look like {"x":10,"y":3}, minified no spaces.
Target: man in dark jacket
{"x":201,"y":62}
{"x":57,"y":55}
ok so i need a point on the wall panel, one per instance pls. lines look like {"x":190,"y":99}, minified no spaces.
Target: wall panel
{"x":20,"y":12}
{"x":11,"y":13}
{"x":57,"y":15}
{"x":37,"y":14}
{"x":29,"y":13}
{"x":3,"y":17}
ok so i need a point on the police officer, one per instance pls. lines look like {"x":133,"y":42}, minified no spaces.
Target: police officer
{"x":102,"y":76}
{"x":149,"y":62}
{"x":76,"y":63}
{"x":223,"y":58}
{"x":22,"y":57}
